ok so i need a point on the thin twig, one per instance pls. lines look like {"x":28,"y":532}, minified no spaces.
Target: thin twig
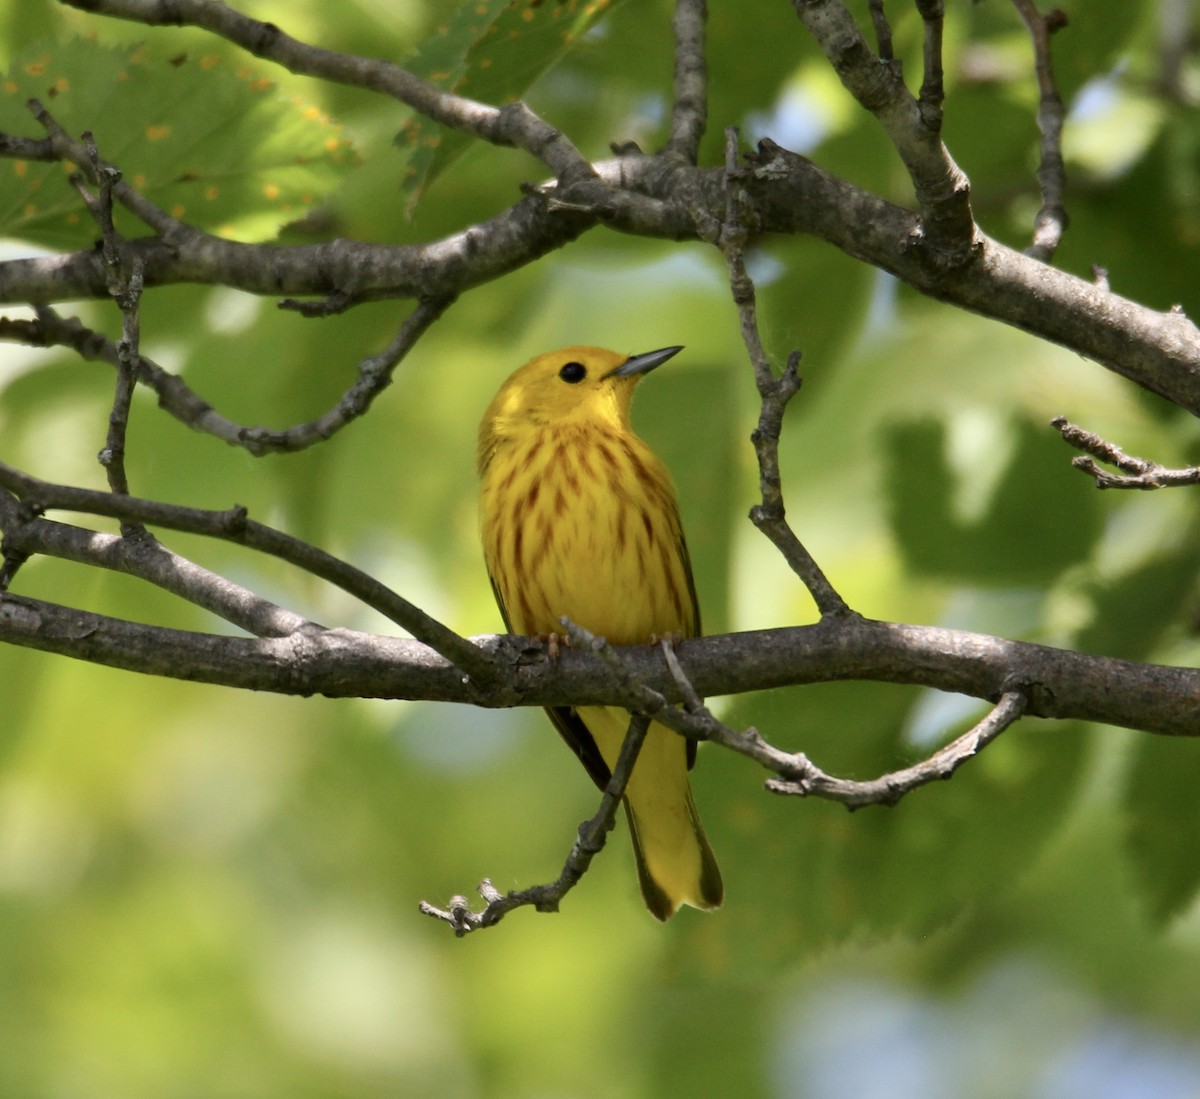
{"x":50,"y":329}
{"x":234,"y":525}
{"x":689,"y":114}
{"x":112,"y":457}
{"x":171,"y":229}
{"x":17,"y":147}
{"x":125,"y":288}
{"x":588,"y":843}
{"x":1051,"y":220}
{"x":800,"y":776}
{"x":514,"y":124}
{"x":797,"y":774}
{"x":933,"y":91}
{"x":374,"y":374}
{"x":1139,"y":473}
{"x":883,"y":31}
{"x":769,"y":516}
{"x":890,"y":788}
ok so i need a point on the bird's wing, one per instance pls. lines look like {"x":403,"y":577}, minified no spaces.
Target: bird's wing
{"x":571,"y":728}
{"x":691,"y":583}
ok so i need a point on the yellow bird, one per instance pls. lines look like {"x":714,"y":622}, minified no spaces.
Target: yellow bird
{"x":578,"y":518}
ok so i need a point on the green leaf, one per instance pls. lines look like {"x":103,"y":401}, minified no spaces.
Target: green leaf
{"x":1160,"y":813}
{"x":208,"y":140}
{"x":490,"y":51}
{"x":1035,"y":524}
{"x":1134,"y":609}
{"x":806,"y":873}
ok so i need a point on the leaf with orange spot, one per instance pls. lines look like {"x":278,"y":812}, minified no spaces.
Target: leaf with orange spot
{"x":205,"y":139}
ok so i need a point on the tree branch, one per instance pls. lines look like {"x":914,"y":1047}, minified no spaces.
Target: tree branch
{"x":689,"y":113}
{"x":1158,"y":350}
{"x":107,"y":177}
{"x":933,"y":92}
{"x":234,"y":525}
{"x":148,"y":560}
{"x":883,"y":30}
{"x":343,"y":663}
{"x":786,"y":194}
{"x":365,"y":272}
{"x":49,"y":329}
{"x":125,"y":287}
{"x":948,"y":233}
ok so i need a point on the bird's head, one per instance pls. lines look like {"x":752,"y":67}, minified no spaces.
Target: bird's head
{"x":575,"y":386}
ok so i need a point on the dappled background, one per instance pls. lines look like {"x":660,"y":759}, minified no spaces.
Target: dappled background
{"x":210,"y":893}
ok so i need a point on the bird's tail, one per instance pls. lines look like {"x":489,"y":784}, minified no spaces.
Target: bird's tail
{"x":675,"y":863}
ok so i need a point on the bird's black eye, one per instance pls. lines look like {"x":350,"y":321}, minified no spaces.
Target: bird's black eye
{"x":573,"y":373}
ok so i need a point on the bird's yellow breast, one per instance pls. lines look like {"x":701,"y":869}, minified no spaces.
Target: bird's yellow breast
{"x":580,"y":520}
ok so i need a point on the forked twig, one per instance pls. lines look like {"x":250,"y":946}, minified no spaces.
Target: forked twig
{"x":890,"y":788}
{"x":799,"y":776}
{"x":1138,"y":473}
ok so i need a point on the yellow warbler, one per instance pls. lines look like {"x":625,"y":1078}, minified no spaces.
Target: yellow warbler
{"x":578,"y":518}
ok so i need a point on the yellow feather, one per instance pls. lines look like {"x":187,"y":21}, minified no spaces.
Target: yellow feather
{"x":578,"y":518}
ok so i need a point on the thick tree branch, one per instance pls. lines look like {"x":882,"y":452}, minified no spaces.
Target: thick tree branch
{"x":363,"y":272}
{"x":786,"y":194}
{"x":1158,"y":350}
{"x":343,"y":663}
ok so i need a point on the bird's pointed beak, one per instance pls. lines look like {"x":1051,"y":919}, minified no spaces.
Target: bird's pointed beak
{"x":643,"y":364}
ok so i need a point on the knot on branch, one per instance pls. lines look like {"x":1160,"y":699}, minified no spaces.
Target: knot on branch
{"x":938,"y":245}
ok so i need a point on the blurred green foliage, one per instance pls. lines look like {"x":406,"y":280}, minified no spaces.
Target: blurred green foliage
{"x":207,"y":894}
